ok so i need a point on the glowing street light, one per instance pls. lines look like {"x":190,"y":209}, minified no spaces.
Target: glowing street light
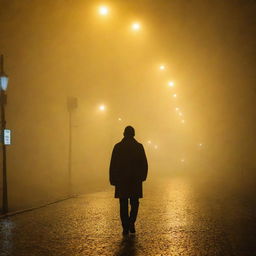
{"x":180,"y":114}
{"x":183,"y":121}
{"x":171,"y":83}
{"x":200,"y":144}
{"x":174,"y":95}
{"x":119,"y":119}
{"x":103,"y":10}
{"x":162,"y":67}
{"x":149,"y":142}
{"x":177,"y":109}
{"x":102,"y":107}
{"x":136,"y":26}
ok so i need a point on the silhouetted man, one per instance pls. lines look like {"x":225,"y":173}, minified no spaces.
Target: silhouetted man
{"x":128,"y":169}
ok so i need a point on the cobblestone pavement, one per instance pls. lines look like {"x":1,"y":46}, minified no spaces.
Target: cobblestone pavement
{"x":177,"y":217}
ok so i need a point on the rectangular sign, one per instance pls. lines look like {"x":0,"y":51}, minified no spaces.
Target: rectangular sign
{"x":7,"y":137}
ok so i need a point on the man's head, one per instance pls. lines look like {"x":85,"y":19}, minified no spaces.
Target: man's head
{"x":129,"y":131}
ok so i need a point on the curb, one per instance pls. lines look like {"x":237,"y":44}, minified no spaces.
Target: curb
{"x":9,"y":214}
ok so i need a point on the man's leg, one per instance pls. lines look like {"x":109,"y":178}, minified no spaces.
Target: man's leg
{"x":124,"y":214}
{"x":134,"y":201}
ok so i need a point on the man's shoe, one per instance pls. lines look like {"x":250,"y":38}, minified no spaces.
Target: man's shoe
{"x":132,"y":228}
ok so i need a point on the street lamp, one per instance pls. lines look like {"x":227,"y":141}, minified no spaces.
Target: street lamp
{"x":136,"y":26}
{"x":171,"y":83}
{"x":103,"y":10}
{"x":3,"y":87}
{"x":102,"y":108}
{"x":162,"y":67}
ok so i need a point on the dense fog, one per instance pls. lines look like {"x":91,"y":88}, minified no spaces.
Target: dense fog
{"x":77,"y":78}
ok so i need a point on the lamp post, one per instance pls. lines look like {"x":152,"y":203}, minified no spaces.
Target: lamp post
{"x":3,"y":86}
{"x":72,"y":105}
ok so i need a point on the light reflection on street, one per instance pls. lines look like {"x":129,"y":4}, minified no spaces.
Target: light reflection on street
{"x":179,"y":198}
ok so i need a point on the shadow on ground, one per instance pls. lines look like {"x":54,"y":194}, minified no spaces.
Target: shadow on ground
{"x":127,"y":246}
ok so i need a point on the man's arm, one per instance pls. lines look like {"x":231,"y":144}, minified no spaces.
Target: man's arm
{"x":113,"y":168}
{"x":144,"y":164}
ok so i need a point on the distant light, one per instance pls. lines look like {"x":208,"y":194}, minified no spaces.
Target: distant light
{"x":171,"y":83}
{"x":3,"y":77}
{"x":102,"y":107}
{"x":200,"y":144}
{"x":3,"y":82}
{"x":177,"y":109}
{"x":182,"y":160}
{"x":174,"y":95}
{"x":103,"y":10}
{"x":136,"y":26}
{"x":149,"y":142}
{"x":162,"y":67}
{"x":180,"y":114}
{"x":119,"y":119}
{"x":156,"y":147}
{"x":183,"y":121}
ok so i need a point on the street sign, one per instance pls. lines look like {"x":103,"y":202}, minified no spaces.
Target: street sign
{"x":7,"y":137}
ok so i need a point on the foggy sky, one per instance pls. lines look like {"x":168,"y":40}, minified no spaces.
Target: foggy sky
{"x":59,"y":49}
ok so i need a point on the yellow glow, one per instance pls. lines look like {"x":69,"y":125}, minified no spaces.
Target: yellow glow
{"x":182,"y":160}
{"x":180,"y":192}
{"x":177,"y":109}
{"x":171,"y":83}
{"x":162,"y":67}
{"x":156,"y":147}
{"x":136,"y":26}
{"x":119,"y":119}
{"x":174,"y":95}
{"x":102,"y":107}
{"x":180,"y":114}
{"x":149,"y":141}
{"x":183,"y":121}
{"x":200,"y":144}
{"x":103,"y":10}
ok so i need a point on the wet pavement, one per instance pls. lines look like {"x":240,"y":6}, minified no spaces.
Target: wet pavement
{"x":178,"y":216}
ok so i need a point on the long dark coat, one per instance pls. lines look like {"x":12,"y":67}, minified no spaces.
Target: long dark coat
{"x":128,"y":168}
